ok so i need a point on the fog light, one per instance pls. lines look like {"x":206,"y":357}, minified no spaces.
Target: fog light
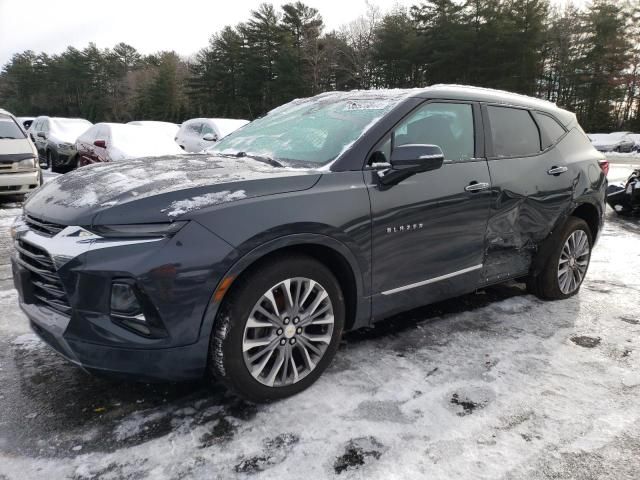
{"x":131,"y":309}
{"x":124,"y":302}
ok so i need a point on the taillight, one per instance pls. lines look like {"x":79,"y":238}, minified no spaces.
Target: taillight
{"x":604,"y":165}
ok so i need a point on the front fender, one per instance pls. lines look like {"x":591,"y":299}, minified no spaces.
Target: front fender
{"x":363,"y":303}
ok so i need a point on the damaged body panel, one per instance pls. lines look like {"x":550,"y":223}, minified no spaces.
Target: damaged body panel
{"x":529,"y":202}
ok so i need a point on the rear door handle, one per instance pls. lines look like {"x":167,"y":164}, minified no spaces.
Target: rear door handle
{"x":476,"y":187}
{"x":556,"y":170}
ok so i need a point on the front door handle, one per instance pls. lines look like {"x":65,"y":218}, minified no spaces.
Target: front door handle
{"x":476,"y":187}
{"x":556,"y":171}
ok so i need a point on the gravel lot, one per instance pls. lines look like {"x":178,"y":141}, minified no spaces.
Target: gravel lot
{"x":492,"y":385}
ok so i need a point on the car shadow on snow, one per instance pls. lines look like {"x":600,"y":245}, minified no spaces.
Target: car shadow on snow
{"x":54,"y":409}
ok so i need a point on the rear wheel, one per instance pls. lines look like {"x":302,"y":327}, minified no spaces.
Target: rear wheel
{"x":567,"y":263}
{"x":278,"y":329}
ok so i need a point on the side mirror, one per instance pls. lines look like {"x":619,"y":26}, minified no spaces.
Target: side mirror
{"x":100,"y":143}
{"x":407,"y":160}
{"x":41,"y":135}
{"x":209,"y":137}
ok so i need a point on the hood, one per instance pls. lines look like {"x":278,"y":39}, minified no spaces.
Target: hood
{"x":14,"y":149}
{"x":161,"y":189}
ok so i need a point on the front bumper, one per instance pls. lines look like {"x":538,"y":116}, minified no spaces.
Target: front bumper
{"x":66,"y":158}
{"x":165,"y":364}
{"x":17,"y":183}
{"x":177,"y":281}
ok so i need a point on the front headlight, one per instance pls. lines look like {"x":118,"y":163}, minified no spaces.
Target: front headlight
{"x":28,"y":163}
{"x":18,"y":224}
{"x":143,"y":230}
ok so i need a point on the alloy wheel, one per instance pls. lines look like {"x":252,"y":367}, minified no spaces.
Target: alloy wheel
{"x":288,"y":332}
{"x":573,"y":263}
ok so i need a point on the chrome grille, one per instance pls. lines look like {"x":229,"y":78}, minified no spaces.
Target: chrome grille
{"x":42,"y":226}
{"x":47,"y":287}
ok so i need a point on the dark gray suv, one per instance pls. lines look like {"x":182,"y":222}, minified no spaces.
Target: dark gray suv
{"x":327,"y":214}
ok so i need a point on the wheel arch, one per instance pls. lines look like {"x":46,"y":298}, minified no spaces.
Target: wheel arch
{"x":586,"y":211}
{"x":590,"y":214}
{"x":327,"y":250}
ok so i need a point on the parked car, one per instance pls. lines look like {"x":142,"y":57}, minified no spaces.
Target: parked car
{"x":19,"y":168}
{"x":198,"y":134}
{"x":108,"y":142}
{"x":326,"y":214}
{"x":612,"y":142}
{"x":171,"y":129}
{"x":636,"y":141}
{"x":25,"y":121}
{"x":55,"y":139}
{"x":624,"y":198}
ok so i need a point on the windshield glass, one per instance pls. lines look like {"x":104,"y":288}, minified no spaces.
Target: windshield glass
{"x":310,"y":131}
{"x":10,"y":129}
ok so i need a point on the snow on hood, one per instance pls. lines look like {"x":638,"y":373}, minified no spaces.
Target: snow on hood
{"x":180,"y":207}
{"x":187,"y":182}
{"x":69,"y":129}
{"x":13,"y":146}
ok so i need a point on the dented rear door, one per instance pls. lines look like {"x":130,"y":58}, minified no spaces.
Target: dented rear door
{"x":532,"y":187}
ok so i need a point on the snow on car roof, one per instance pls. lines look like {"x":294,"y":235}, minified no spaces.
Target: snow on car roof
{"x":133,"y":141}
{"x":69,"y":129}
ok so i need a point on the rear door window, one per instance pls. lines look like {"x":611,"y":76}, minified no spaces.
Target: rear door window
{"x":550,"y":129}
{"x":514,"y":132}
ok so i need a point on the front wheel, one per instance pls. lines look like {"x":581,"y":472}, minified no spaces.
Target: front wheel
{"x":566,"y":264}
{"x":279,"y":329}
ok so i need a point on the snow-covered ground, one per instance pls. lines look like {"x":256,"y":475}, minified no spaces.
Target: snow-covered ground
{"x":492,"y":385}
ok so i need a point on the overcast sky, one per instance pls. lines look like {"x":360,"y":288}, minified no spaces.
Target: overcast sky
{"x":184,"y":25}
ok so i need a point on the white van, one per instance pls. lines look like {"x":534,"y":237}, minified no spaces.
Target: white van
{"x":19,"y":168}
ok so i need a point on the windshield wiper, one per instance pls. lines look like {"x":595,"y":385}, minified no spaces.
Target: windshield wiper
{"x":267,"y":160}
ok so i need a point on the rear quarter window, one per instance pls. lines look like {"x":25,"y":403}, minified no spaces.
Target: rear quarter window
{"x":551,"y":131}
{"x":513,"y":131}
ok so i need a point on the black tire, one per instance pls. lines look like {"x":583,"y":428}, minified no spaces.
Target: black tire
{"x":546,"y":284}
{"x":55,"y":163}
{"x":226,"y":361}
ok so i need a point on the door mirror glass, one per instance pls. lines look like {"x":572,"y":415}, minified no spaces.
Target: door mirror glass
{"x":41,"y":135}
{"x":100,"y":143}
{"x":209,"y":137}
